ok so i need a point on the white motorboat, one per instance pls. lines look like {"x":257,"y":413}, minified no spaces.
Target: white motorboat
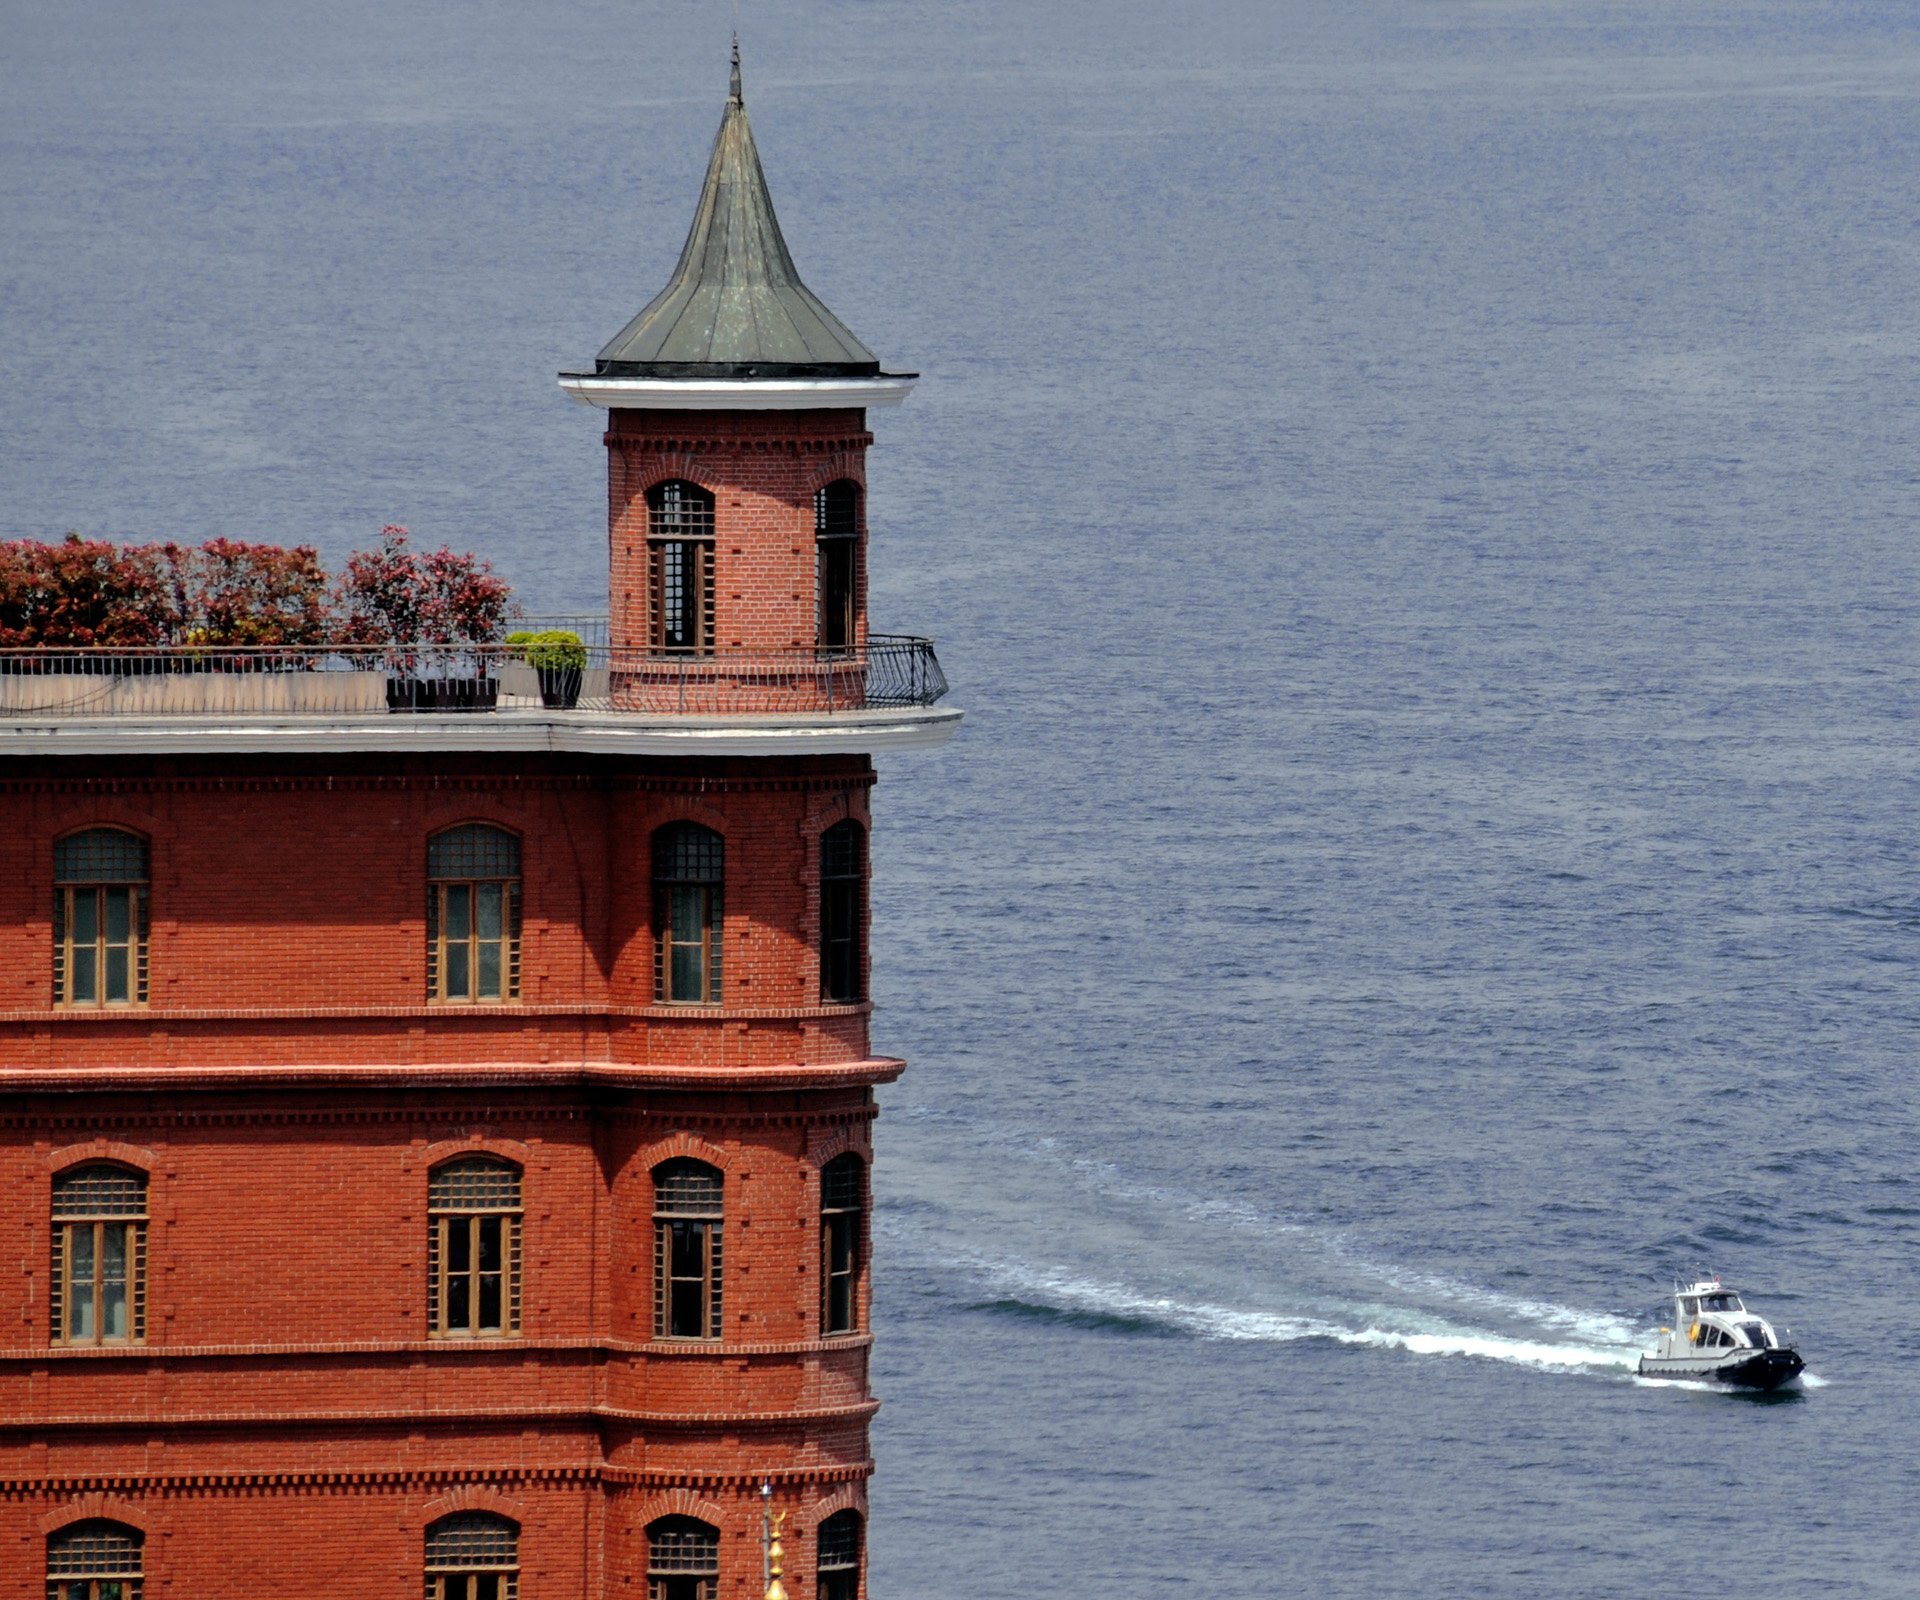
{"x":1716,"y":1339}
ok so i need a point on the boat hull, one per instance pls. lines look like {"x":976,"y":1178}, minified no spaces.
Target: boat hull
{"x":1738,"y":1369}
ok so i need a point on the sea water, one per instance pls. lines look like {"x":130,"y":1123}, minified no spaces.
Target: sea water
{"x":1418,"y":502}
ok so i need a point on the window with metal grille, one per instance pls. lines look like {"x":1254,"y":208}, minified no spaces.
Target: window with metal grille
{"x":843,"y":1204}
{"x":689,"y":870}
{"x":473,"y":1556}
{"x":687,"y":1216}
{"x":843,"y":895}
{"x":683,"y":1559}
{"x":838,"y":1561}
{"x":836,"y":534}
{"x":473,"y":1249}
{"x":680,"y":568}
{"x":94,"y":1561}
{"x":473,"y":914}
{"x":99,"y":1269}
{"x":100,"y":918}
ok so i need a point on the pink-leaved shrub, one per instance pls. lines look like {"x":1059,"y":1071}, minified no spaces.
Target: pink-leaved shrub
{"x":397,"y":595}
{"x":76,"y":592}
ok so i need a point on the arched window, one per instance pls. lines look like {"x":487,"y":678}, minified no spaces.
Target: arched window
{"x":473,"y":914}
{"x":836,"y":535}
{"x":473,"y":1556}
{"x":100,"y":918}
{"x":687,"y":1216}
{"x":689,"y":866}
{"x":838,"y":1560}
{"x":94,"y":1561}
{"x":99,"y":1273}
{"x":473,"y":1248}
{"x":683,"y":1559}
{"x":843,"y":893}
{"x":680,"y":568}
{"x":843,"y":1205}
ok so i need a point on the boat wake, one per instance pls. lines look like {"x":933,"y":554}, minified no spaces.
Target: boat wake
{"x":1589,"y":1343}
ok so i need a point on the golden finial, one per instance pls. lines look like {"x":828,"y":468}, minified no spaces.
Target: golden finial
{"x":776,"y":1590}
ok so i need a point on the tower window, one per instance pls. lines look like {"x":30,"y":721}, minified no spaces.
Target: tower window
{"x":473,"y":1249}
{"x":94,"y":1561}
{"x":473,"y":1556}
{"x":683,"y":1560}
{"x":843,"y":1197}
{"x":687,"y":1216}
{"x":689,"y":865}
{"x":100,"y":918}
{"x":838,"y":1561}
{"x":680,"y":569}
{"x":99,"y":1270}
{"x":843,"y":884}
{"x":836,"y":533}
{"x":473,"y":914}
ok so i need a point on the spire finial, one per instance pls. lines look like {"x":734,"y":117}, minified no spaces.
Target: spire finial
{"x":733,"y":83}
{"x":776,"y":1587}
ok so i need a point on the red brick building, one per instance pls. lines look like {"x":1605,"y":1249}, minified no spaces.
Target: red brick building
{"x":436,"y":1096}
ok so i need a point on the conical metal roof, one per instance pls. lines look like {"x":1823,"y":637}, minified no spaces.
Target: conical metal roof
{"x":735,"y":306}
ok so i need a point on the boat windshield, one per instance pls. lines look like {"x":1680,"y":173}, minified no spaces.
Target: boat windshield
{"x":1721,"y":1302}
{"x":1756,"y":1335}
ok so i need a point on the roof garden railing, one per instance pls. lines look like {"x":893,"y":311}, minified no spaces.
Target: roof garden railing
{"x":890,"y":671}
{"x":588,"y":627}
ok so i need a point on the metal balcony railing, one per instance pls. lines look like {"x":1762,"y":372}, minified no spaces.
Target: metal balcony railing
{"x":891,"y":671}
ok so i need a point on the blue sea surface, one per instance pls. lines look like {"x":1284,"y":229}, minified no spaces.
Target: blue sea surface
{"x":1418,"y":501}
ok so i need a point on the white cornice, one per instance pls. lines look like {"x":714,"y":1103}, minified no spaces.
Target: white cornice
{"x":728,"y":394}
{"x":575,"y":732}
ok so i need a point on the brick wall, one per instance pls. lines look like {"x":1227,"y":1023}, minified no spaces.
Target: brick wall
{"x":762,"y":468}
{"x":288,"y":912}
{"x":287,"y":1090}
{"x":362,"y":1536}
{"x":287,"y":1337}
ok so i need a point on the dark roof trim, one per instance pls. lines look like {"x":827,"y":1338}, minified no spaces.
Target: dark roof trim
{"x":736,"y":369}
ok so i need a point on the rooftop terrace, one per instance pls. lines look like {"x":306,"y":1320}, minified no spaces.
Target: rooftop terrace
{"x":476,"y":697}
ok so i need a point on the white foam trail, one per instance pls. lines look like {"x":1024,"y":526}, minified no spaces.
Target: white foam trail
{"x":1226,"y":1322}
{"x":1603,"y":1330}
{"x":1557,"y":1338}
{"x":1601,"y":1327}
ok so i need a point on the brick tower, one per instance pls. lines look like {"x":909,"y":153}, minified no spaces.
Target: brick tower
{"x":435,"y":1094}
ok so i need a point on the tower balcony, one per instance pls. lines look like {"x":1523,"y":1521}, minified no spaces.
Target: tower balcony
{"x":605,"y":700}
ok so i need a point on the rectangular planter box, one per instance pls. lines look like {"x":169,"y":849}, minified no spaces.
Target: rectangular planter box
{"x":442,"y":694}
{"x":85,"y":694}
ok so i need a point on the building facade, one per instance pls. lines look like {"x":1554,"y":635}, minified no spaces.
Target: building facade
{"x":436,"y":1096}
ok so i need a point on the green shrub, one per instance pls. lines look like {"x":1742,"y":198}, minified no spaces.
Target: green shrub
{"x":553,"y":651}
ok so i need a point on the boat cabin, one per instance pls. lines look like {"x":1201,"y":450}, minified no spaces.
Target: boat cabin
{"x":1722,"y":1302}
{"x":1715,"y":1318}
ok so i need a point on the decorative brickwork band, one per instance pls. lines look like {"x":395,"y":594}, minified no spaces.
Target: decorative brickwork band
{"x":683,"y":452}
{"x":110,"y":1490}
